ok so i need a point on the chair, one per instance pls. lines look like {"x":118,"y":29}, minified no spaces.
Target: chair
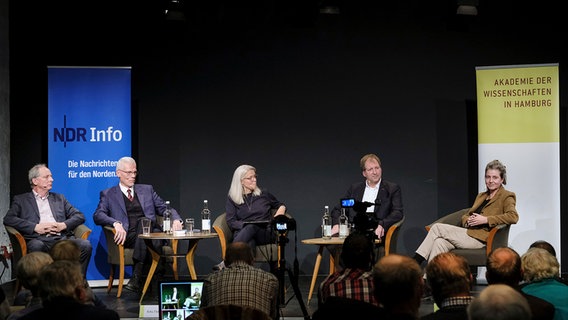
{"x":121,"y":257}
{"x":20,"y":248}
{"x":118,"y":256}
{"x":498,"y":237}
{"x":391,"y":238}
{"x":269,"y":253}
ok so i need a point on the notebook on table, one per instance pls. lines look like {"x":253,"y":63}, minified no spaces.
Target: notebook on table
{"x":179,"y":298}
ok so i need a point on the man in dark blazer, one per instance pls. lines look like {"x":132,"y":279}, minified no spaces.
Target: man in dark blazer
{"x":123,"y":206}
{"x":385,"y":197}
{"x":45,"y":217}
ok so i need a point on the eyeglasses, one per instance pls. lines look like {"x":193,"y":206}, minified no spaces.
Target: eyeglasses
{"x":250,"y":178}
{"x":129,"y":173}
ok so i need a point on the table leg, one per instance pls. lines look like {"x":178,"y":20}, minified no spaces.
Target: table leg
{"x":155,"y":260}
{"x":192,"y":245}
{"x":175,"y":262}
{"x":316,"y":271}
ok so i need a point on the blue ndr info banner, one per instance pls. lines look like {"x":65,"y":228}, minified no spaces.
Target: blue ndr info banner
{"x":89,"y":129}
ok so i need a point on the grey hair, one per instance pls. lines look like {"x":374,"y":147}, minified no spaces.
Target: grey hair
{"x":34,"y":172}
{"x":124,"y":160}
{"x":539,"y":264}
{"x":236,"y":189}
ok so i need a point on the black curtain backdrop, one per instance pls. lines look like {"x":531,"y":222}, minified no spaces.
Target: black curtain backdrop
{"x":298,"y":94}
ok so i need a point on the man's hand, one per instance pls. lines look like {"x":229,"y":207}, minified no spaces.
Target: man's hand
{"x":380,"y":231}
{"x":50,"y":227}
{"x":120,"y":234}
{"x":177,"y":225}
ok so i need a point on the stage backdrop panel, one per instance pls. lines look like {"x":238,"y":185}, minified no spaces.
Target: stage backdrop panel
{"x":519,"y":124}
{"x":89,"y":129}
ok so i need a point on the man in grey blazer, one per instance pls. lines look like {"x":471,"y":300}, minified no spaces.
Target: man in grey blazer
{"x":45,"y":217}
{"x":123,"y":206}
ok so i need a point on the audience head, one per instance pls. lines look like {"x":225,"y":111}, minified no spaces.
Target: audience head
{"x":448,"y":275}
{"x":62,"y":278}
{"x":65,"y":250}
{"x":357,"y":251}
{"x":239,"y":251}
{"x":539,"y":264}
{"x":499,"y":302}
{"x":29,"y":267}
{"x":401,"y":283}
{"x":544,"y":245}
{"x":504,"y":266}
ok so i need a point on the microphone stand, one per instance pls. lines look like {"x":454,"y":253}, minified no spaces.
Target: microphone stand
{"x":282,"y":240}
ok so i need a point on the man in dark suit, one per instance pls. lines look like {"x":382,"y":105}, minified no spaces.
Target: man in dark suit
{"x":385,"y":197}
{"x":123,"y":206}
{"x":45,"y":217}
{"x":504,"y":267}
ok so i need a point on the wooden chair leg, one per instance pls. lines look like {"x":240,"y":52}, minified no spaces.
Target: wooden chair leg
{"x":110,"y":278}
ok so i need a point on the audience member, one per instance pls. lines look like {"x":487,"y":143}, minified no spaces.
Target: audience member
{"x":494,"y":206}
{"x":27,"y":273}
{"x":544,"y":245}
{"x":399,"y":286}
{"x":504,"y":267}
{"x":499,"y":302}
{"x":541,"y":275}
{"x":450,"y":280}
{"x":386,"y":197}
{"x":247,"y":202}
{"x":62,"y":290}
{"x":355,"y":281}
{"x":550,"y":248}
{"x":45,"y":217}
{"x":68,"y":250}
{"x":4,"y":305}
{"x":123,"y":206}
{"x":241,"y":283}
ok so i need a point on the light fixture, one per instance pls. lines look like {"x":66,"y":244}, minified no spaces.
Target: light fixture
{"x":467,"y":7}
{"x":174,"y":11}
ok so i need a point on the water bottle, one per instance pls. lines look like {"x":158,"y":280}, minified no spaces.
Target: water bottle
{"x":205,"y":218}
{"x":167,"y":225}
{"x":326,"y":224}
{"x":343,"y":225}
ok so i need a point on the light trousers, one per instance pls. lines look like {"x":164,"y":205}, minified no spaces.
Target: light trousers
{"x":445,"y":237}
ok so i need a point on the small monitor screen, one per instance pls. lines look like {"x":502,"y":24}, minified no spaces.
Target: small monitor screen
{"x":179,"y":298}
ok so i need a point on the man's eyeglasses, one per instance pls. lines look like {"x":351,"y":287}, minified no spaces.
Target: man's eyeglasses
{"x":129,"y":173}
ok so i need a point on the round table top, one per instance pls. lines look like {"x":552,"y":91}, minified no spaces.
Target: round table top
{"x":163,"y":235}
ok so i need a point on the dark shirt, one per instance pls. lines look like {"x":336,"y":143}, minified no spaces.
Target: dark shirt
{"x":254,"y":208}
{"x":69,"y":308}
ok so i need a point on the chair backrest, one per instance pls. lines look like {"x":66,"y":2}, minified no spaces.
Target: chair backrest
{"x":223,"y":231}
{"x":391,"y":238}
{"x":114,"y":250}
{"x":264,"y":253}
{"x":19,"y":246}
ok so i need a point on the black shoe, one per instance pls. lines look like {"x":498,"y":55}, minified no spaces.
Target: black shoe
{"x":134,"y":284}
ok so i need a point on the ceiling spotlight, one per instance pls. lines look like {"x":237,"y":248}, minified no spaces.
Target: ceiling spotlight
{"x":174,"y":11}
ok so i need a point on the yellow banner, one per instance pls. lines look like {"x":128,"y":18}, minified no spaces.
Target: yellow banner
{"x":518,"y":104}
